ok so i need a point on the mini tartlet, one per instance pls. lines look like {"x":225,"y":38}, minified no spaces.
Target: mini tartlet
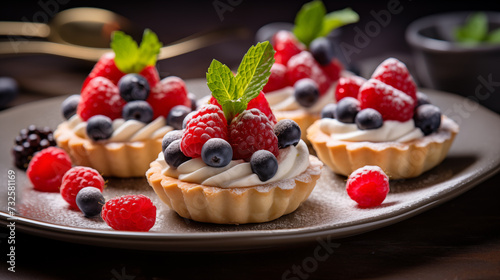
{"x":117,"y":122}
{"x":306,"y":72}
{"x":232,"y":163}
{"x":385,"y":122}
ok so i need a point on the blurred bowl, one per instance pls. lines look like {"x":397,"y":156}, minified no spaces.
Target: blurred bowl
{"x":441,"y":63}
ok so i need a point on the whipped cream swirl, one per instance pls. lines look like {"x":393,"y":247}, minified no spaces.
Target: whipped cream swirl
{"x":292,"y":161}
{"x":125,"y":130}
{"x":390,"y":131}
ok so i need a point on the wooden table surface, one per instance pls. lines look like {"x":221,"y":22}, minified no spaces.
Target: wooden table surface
{"x":457,"y":240}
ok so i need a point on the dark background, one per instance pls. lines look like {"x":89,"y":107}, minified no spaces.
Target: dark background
{"x":458,"y":240}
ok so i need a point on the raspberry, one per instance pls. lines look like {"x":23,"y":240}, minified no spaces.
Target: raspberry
{"x":394,"y":73}
{"x":167,"y":93}
{"x":348,"y":86}
{"x":129,"y":212}
{"x":303,"y":65}
{"x":392,"y":103}
{"x":333,"y":69}
{"x":252,"y":131}
{"x":368,"y":186}
{"x":100,"y":97}
{"x":259,"y":102}
{"x":277,"y":80}
{"x":209,"y":122}
{"x":106,"y":68}
{"x":78,"y":178}
{"x":151,"y":74}
{"x":286,"y":45}
{"x":47,"y":167}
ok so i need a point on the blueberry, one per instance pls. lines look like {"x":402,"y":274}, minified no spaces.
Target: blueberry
{"x":428,"y":118}
{"x":347,"y":109}
{"x":138,"y":110}
{"x":170,"y":137}
{"x":216,"y":152}
{"x":176,"y":116}
{"x":90,"y":201}
{"x":192,"y":98}
{"x":369,"y":119}
{"x":322,"y":50}
{"x":99,"y":127}
{"x":422,"y":99}
{"x":306,"y":92}
{"x":69,"y":105}
{"x":264,"y":164}
{"x":288,"y":133}
{"x":8,"y":90}
{"x":173,"y":154}
{"x":133,"y":87}
{"x":329,"y":111}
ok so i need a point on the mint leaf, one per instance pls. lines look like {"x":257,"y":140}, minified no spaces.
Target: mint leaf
{"x":337,"y":19}
{"x":148,"y":50}
{"x":234,"y":92}
{"x":254,"y":71}
{"x":474,"y":30}
{"x":494,"y":36}
{"x":309,"y":21}
{"x":126,"y":51}
{"x":131,"y":58}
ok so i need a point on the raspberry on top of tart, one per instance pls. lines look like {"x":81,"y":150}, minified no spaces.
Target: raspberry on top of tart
{"x":123,"y":110}
{"x":231,"y":149}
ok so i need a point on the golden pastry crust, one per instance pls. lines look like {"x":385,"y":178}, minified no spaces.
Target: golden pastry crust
{"x":117,"y":159}
{"x":301,"y":117}
{"x":398,"y":160}
{"x":254,"y":204}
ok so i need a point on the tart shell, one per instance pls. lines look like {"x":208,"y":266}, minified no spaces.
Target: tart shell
{"x":116,"y":159}
{"x":243,"y":205}
{"x":398,"y":160}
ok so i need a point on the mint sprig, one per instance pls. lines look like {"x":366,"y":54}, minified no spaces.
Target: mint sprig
{"x":132,"y":58}
{"x":475,"y":30}
{"x":312,"y":21}
{"x":234,"y":92}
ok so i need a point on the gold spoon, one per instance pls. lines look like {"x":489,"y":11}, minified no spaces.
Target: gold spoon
{"x":84,"y":33}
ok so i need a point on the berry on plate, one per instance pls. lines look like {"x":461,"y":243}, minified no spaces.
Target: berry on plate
{"x":100,"y":97}
{"x":90,"y":201}
{"x":394,"y":73}
{"x":368,"y":186}
{"x":77,"y":178}
{"x":251,"y":131}
{"x":208,"y":122}
{"x":29,"y":141}
{"x":392,"y":103}
{"x":47,"y":168}
{"x":130,"y":213}
{"x":348,"y":86}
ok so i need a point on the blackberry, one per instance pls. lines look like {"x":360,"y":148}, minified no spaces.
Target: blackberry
{"x":29,"y":141}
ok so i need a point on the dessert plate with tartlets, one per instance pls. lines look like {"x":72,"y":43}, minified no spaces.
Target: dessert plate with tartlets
{"x":327,"y":213}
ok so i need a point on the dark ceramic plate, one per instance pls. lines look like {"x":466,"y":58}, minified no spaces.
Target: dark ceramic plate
{"x":327,"y":214}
